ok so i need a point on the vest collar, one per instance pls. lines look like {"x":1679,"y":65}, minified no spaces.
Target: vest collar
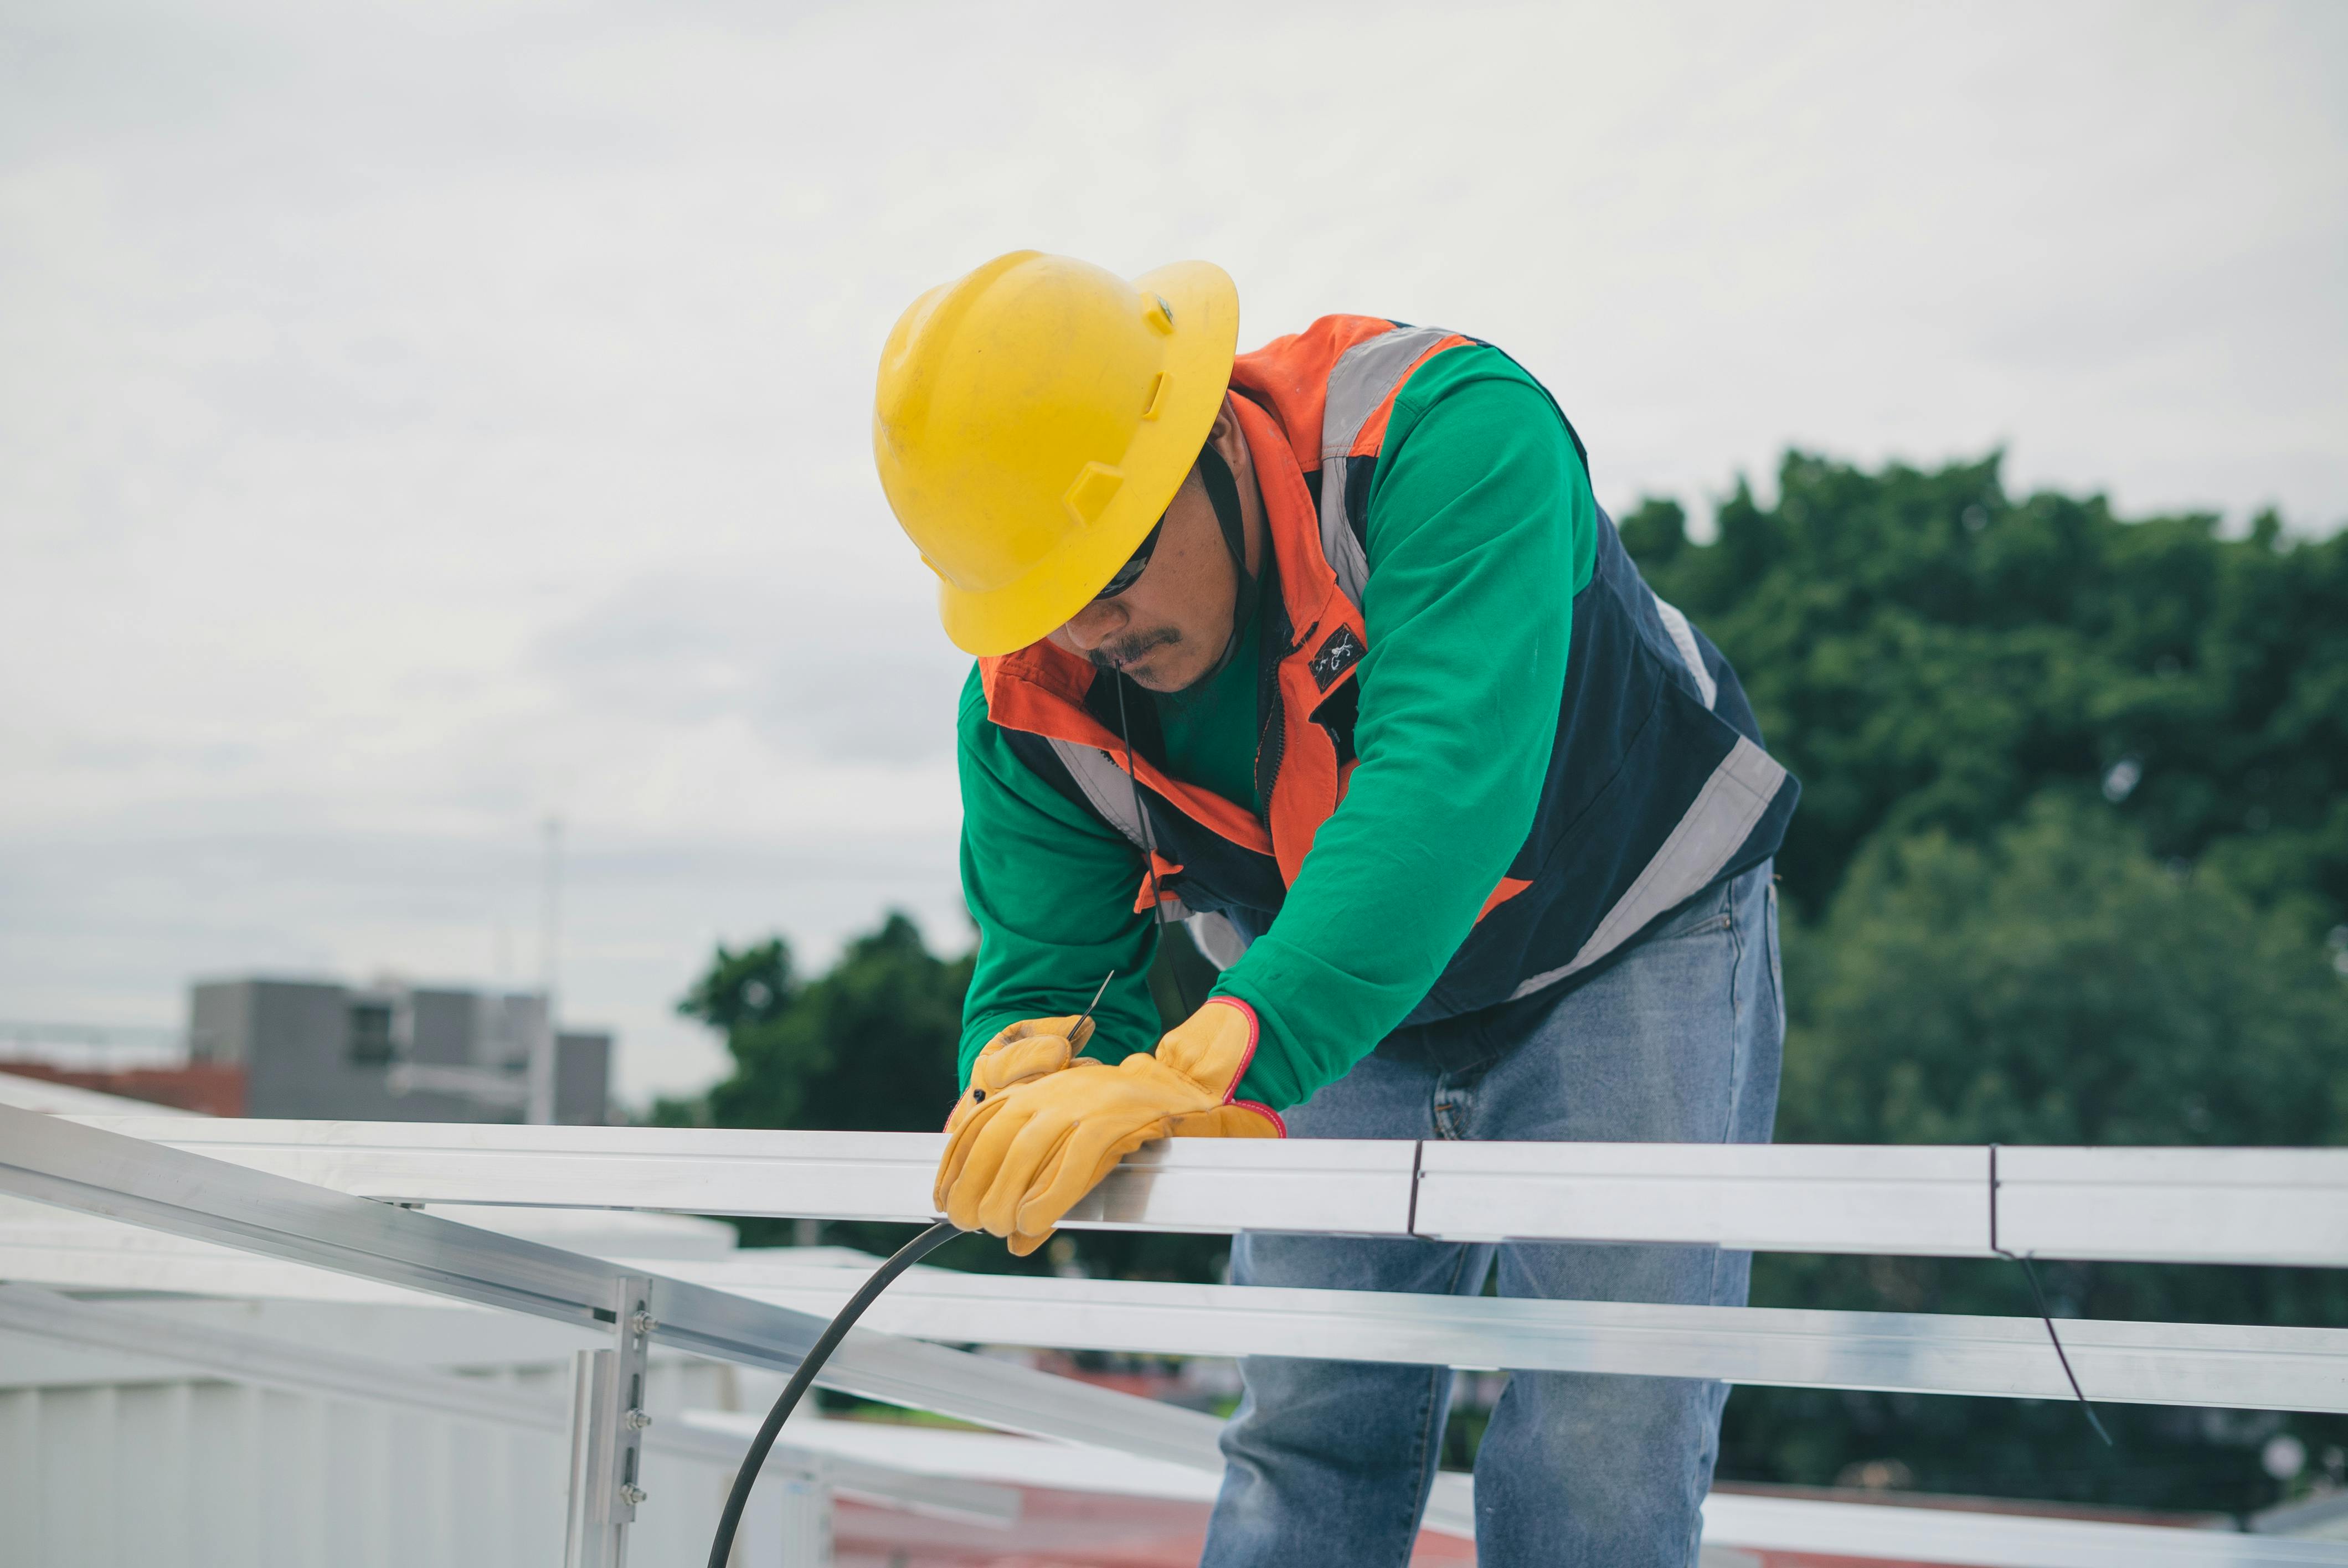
{"x":1042,"y":688}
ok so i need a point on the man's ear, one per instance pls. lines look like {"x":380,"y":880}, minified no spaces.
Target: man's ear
{"x":1224,"y":434}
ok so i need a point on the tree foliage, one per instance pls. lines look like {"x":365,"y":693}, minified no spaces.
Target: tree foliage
{"x":2056,"y":985}
{"x":869,"y":1044}
{"x":1926,"y":653}
{"x":2072,"y":832}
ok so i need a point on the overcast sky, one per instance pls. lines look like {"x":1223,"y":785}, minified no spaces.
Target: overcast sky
{"x":417,"y":421}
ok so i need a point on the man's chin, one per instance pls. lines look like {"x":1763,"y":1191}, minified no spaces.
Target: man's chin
{"x":1145,"y":675}
{"x":1160,"y":677}
{"x":1156,"y":670}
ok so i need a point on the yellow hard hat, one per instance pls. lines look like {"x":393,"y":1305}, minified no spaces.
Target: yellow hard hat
{"x":1033,"y":420}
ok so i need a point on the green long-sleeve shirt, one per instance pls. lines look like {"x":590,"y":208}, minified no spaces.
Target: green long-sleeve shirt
{"x":1481,"y":529}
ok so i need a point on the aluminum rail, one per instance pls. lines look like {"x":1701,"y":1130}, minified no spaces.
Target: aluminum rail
{"x":272,"y":1363}
{"x":2163,"y":1206}
{"x":2224,"y":1365}
{"x":51,"y":1159}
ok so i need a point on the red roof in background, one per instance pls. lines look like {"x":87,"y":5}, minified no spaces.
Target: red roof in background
{"x":1055,"y":1530}
{"x":216,"y":1088}
{"x":1085,"y":1529}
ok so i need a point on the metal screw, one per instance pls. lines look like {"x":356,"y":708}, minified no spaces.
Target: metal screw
{"x":637,"y":1420}
{"x":642,"y":1323}
{"x":634,"y":1496}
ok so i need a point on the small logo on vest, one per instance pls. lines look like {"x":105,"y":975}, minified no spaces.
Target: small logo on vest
{"x":1338,"y":654}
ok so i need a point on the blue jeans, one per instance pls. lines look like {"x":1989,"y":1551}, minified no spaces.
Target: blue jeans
{"x":1329,"y":1462}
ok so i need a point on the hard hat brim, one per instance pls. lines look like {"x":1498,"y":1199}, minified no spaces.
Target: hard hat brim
{"x":1206,"y":311}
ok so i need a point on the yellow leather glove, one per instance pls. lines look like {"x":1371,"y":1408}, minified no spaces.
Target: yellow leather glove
{"x":1240,"y":1118}
{"x":1026,"y":1156}
{"x":1021,"y":1051}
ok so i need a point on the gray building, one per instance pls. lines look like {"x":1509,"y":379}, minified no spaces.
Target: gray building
{"x":392,"y":1052}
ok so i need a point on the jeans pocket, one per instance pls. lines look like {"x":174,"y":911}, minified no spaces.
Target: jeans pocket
{"x":1710,"y":910}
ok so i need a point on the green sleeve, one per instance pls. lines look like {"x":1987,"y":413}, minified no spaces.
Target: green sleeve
{"x":1482,"y":527}
{"x":1052,"y":888}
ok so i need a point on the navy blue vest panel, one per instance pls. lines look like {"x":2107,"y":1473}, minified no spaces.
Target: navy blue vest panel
{"x":1657,"y":789}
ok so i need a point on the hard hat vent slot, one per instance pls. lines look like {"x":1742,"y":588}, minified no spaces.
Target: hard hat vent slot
{"x":1091,"y":492}
{"x":1157,"y":395}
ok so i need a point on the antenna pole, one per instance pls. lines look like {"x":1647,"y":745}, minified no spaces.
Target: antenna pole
{"x":541,"y":1047}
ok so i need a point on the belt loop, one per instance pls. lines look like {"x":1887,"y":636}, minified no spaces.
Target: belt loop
{"x":1417,"y":1157}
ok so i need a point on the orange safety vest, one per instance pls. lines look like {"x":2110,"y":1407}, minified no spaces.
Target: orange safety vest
{"x":1713,"y":804}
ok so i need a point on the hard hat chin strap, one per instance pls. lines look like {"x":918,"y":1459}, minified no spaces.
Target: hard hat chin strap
{"x":1223,"y":492}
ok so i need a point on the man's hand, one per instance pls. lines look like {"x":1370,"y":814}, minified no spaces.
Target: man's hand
{"x":1024,"y":1156}
{"x":1022,"y":1051}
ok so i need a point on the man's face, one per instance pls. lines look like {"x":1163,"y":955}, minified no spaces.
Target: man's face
{"x":1168,"y":630}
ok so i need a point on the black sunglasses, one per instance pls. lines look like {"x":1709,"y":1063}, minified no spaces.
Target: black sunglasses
{"x":1130,"y":572}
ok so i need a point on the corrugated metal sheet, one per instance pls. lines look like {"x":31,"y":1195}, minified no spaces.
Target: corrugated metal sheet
{"x":204,"y":1474}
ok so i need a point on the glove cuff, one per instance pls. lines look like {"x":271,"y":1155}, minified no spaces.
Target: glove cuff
{"x":1240,"y":1118}
{"x":1279,"y":1126}
{"x":1213,"y":1046}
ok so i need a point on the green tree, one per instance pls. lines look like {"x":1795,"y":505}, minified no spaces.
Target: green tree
{"x":870,"y":1045}
{"x":2059,"y":985}
{"x":2056,"y":985}
{"x":1926,"y":652}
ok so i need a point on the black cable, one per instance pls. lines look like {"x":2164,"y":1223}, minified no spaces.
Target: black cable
{"x":1140,"y":812}
{"x":2039,"y":1296}
{"x":903,"y":1258}
{"x":1223,"y":493}
{"x":1149,"y":846}
{"x":722,"y":1546}
{"x":913,"y":1252}
{"x":2046,"y":1317}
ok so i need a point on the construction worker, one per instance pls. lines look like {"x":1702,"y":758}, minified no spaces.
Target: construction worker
{"x":1328,"y":651}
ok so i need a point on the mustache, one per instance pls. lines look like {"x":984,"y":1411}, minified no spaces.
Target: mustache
{"x":1126,"y":652}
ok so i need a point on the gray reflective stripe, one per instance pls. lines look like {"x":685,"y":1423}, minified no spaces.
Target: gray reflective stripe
{"x":1114,"y":797}
{"x":1683,"y":639}
{"x":1344,"y":553}
{"x":1359,"y":381}
{"x":1218,"y":940}
{"x":1106,"y":785}
{"x":1111,"y":793}
{"x":1363,"y":376}
{"x":1732,"y":800}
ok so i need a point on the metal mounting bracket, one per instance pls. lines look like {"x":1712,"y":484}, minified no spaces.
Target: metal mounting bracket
{"x":607,"y":1428}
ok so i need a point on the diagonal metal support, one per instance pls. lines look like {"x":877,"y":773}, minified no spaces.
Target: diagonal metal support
{"x":53,"y":1161}
{"x":272,"y":1363}
{"x":2227,"y":1366}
